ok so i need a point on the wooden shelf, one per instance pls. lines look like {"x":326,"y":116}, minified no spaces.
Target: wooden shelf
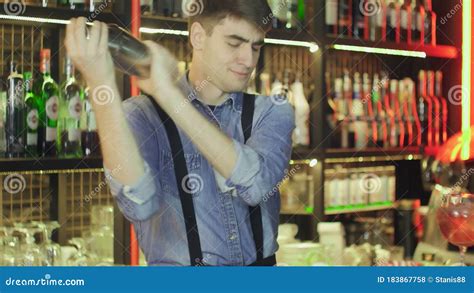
{"x":356,"y":209}
{"x":49,"y":164}
{"x":355,"y":155}
{"x":439,"y":51}
{"x":161,"y":22}
{"x":59,"y":14}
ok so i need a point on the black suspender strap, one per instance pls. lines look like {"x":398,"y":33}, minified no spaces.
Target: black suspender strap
{"x":254,"y":212}
{"x":181,"y":171}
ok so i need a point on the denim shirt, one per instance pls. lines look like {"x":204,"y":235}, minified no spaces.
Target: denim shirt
{"x":152,"y":204}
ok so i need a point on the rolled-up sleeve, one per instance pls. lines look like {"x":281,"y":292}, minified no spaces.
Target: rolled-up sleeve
{"x":139,"y":201}
{"x":262,"y":161}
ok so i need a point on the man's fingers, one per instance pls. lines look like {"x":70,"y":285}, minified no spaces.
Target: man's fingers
{"x":104,"y":39}
{"x":69,"y":40}
{"x":80,"y":33}
{"x":94,"y":39}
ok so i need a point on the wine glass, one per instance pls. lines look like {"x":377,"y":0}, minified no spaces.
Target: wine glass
{"x":51,"y":250}
{"x":455,"y":218}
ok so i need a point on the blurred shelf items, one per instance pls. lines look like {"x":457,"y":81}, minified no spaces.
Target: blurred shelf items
{"x":382,"y":97}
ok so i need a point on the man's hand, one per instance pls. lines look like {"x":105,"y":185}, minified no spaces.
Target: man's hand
{"x":91,"y":55}
{"x":163,"y":73}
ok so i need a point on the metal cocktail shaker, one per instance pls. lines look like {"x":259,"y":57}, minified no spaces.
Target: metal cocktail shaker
{"x":130,"y":55}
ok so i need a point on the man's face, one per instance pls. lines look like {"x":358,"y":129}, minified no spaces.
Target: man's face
{"x":231,"y":53}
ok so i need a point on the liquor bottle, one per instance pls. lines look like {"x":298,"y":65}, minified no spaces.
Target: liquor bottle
{"x":378,"y":28}
{"x":418,"y":12}
{"x":70,"y":111}
{"x":405,"y":21}
{"x":436,"y":113}
{"x":345,"y":17}
{"x":164,"y":7}
{"x":15,"y":114}
{"x":32,"y":116}
{"x":302,"y":111}
{"x":414,"y":118}
{"x":360,"y":19}
{"x":405,"y":94}
{"x":291,"y":14}
{"x":341,"y":140}
{"x":359,"y":123}
{"x":301,"y":13}
{"x":330,"y":113}
{"x":430,"y":24}
{"x":348,"y":140}
{"x":444,"y":107}
{"x":424,"y":107}
{"x":397,"y":128}
{"x":49,"y":109}
{"x":77,"y":5}
{"x":146,"y":7}
{"x":331,"y":16}
{"x":384,"y":95}
{"x":3,"y":105}
{"x":379,"y":113}
{"x":369,"y":111}
{"x":89,"y":136}
{"x":393,"y":20}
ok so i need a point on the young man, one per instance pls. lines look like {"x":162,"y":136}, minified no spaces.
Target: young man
{"x":197,"y":184}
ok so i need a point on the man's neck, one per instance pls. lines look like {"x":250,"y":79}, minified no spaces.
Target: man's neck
{"x":207,"y":91}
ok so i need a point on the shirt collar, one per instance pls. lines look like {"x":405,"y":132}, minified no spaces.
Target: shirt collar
{"x":192,"y":93}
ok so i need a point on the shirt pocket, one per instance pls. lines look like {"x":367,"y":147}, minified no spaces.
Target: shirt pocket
{"x":168,"y":180}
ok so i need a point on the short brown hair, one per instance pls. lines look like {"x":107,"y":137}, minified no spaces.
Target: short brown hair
{"x":213,"y":11}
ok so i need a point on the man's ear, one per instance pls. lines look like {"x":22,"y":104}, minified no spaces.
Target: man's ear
{"x":197,"y":35}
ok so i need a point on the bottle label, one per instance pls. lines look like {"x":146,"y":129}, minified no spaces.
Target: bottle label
{"x":32,"y":119}
{"x":74,"y":134}
{"x":51,"y":134}
{"x":393,"y":18}
{"x":75,"y":107}
{"x":419,"y":22}
{"x":331,"y":12}
{"x":379,"y":18}
{"x":32,"y":138}
{"x":404,"y":19}
{"x":52,"y":108}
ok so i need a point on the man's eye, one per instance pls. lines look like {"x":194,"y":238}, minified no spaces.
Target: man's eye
{"x":256,"y":48}
{"x":233,"y":45}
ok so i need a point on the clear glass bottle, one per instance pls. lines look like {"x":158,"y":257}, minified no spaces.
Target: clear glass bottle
{"x":345,"y":17}
{"x":89,"y":136}
{"x":15,"y":126}
{"x":71,"y":103}
{"x":331,"y":15}
{"x":418,"y":12}
{"x":430,"y":24}
{"x":393,"y":19}
{"x":405,"y":21}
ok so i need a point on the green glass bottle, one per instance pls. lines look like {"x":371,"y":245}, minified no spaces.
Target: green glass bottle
{"x":70,"y":111}
{"x":49,"y":106}
{"x":32,"y":116}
